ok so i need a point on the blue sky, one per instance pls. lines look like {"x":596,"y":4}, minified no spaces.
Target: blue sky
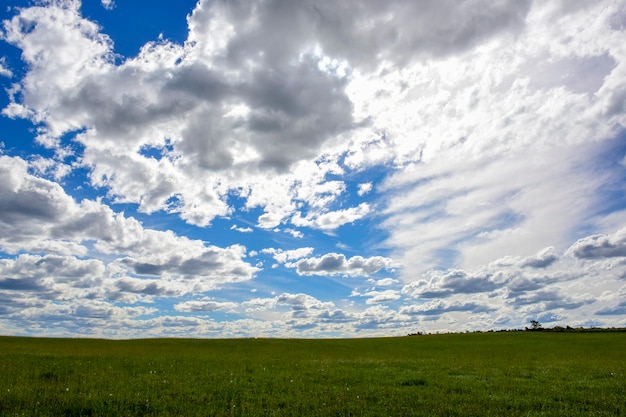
{"x":310,"y":169}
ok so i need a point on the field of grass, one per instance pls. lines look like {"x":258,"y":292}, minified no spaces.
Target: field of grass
{"x":479,"y":374}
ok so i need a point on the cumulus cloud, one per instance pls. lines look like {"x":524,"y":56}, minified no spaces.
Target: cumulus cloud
{"x":436,"y":308}
{"x":4,"y":70}
{"x":384,"y":282}
{"x":364,"y":188}
{"x":543,"y":259}
{"x":338,"y":264}
{"x":38,"y":216}
{"x":333,"y":219}
{"x":108,"y":4}
{"x":304,"y":309}
{"x":375,"y":297}
{"x":204,"y":305}
{"x":295,"y":233}
{"x":618,"y":310}
{"x":440,"y":284}
{"x":283,"y":256}
{"x":208,"y":118}
{"x":491,"y":129}
{"x":250,"y":100}
{"x":241,"y":229}
{"x":600,"y":246}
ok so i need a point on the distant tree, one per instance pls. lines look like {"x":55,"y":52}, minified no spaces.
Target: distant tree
{"x":535,"y":325}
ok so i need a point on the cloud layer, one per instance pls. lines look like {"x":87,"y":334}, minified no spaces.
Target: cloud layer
{"x":450,"y":165}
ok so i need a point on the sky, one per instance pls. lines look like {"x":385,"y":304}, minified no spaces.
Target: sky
{"x":271,"y":168}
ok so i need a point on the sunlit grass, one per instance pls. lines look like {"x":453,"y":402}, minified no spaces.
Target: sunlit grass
{"x":511,"y":374}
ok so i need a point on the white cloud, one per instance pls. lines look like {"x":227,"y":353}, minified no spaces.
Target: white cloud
{"x":188,"y":107}
{"x":601,"y":246}
{"x":333,"y":219}
{"x":37,"y":215}
{"x":543,"y":259}
{"x":241,"y":229}
{"x":295,"y":233}
{"x":4,"y":71}
{"x":364,"y":188}
{"x":487,"y":124}
{"x":384,"y":282}
{"x":485,"y":129}
{"x":507,"y":293}
{"x":108,"y":4}
{"x":260,"y":112}
{"x":204,"y":305}
{"x":375,"y":297}
{"x":283,"y":256}
{"x":338,"y":264}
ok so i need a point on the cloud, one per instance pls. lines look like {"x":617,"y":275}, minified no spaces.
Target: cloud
{"x":441,"y":284}
{"x":207,"y":305}
{"x":252,"y":101}
{"x":436,"y":308}
{"x":549,"y":300}
{"x":600,"y":246}
{"x":367,"y":31}
{"x":241,"y":229}
{"x":384,"y":282}
{"x":301,"y":302}
{"x":37,"y":215}
{"x":543,"y":259}
{"x":108,"y":4}
{"x":4,"y":71}
{"x":301,"y":305}
{"x":491,"y":130}
{"x":376,"y":297}
{"x":181,"y":101}
{"x":334,"y":219}
{"x":295,"y":233}
{"x":618,"y":310}
{"x":338,"y":264}
{"x":364,"y":188}
{"x":282,"y":256}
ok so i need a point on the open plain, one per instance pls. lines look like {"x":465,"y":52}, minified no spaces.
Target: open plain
{"x":479,"y":374}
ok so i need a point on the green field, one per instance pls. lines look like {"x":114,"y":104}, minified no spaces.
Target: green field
{"x":478,"y":374}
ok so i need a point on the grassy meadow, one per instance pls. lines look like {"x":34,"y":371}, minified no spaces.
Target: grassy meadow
{"x":477,"y":374}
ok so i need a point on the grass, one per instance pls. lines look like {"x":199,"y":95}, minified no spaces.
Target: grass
{"x":480,"y":374}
